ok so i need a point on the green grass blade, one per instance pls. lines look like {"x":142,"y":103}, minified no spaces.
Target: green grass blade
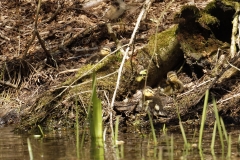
{"x":229,"y":147}
{"x":184,"y":135}
{"x":172,"y":147}
{"x":77,"y":131}
{"x":213,"y":138}
{"x":96,"y":113}
{"x":152,"y":128}
{"x":29,"y":149}
{"x":204,"y":114}
{"x":40,"y":128}
{"x":218,"y":125}
{"x":224,"y":129}
{"x":116,"y":130}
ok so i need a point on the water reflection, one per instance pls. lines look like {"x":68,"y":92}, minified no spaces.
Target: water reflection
{"x":62,"y":145}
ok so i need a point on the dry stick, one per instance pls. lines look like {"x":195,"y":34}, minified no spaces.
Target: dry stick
{"x":233,"y":66}
{"x":86,"y":82}
{"x":233,"y":48}
{"x":50,"y":59}
{"x":233,"y":38}
{"x":4,"y":37}
{"x":144,"y":9}
{"x":34,"y":33}
{"x":54,"y":15}
{"x":228,"y":99}
{"x":29,"y":44}
{"x":238,"y":39}
{"x":7,"y":83}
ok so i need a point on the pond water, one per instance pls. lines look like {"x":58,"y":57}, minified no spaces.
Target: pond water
{"x":61,"y":144}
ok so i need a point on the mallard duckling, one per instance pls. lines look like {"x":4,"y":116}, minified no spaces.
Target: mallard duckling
{"x":153,"y":102}
{"x":175,"y":85}
{"x":104,"y":51}
{"x":116,"y":9}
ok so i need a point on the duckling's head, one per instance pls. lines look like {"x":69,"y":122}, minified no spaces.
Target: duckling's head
{"x":172,"y":75}
{"x":148,"y":92}
{"x":105,"y":51}
{"x":117,"y":8}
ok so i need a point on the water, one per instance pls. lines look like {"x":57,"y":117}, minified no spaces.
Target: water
{"x":61,"y":145}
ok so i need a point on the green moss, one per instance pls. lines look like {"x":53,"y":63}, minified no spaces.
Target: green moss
{"x":207,"y":19}
{"x":230,"y":2}
{"x":225,"y":3}
{"x":210,"y":6}
{"x":45,"y":99}
{"x":192,"y":8}
{"x":84,"y":70}
{"x":163,"y":39}
{"x":102,"y":69}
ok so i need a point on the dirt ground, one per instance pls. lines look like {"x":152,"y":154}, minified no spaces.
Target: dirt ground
{"x":70,"y":34}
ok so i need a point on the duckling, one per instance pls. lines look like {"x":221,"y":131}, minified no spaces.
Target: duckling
{"x":104,"y":51}
{"x":116,"y":9}
{"x":174,"y":84}
{"x":154,"y":102}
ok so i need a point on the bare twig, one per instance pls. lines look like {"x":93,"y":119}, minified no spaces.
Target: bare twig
{"x":144,"y":9}
{"x":4,"y":37}
{"x":86,"y":82}
{"x":50,"y":59}
{"x":228,"y":99}
{"x":34,"y":33}
{"x":54,"y":15}
{"x":6,"y":83}
{"x":29,"y":44}
{"x":233,"y":48}
{"x":233,"y":66}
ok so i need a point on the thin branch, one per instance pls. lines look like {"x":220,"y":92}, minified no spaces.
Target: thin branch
{"x":6,"y":83}
{"x":50,"y":59}
{"x":34,"y":33}
{"x":233,"y":66}
{"x":4,"y":37}
{"x":144,"y":9}
{"x":29,"y":44}
{"x":233,"y":48}
{"x":86,"y":82}
{"x":54,"y":15}
{"x":228,"y":99}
